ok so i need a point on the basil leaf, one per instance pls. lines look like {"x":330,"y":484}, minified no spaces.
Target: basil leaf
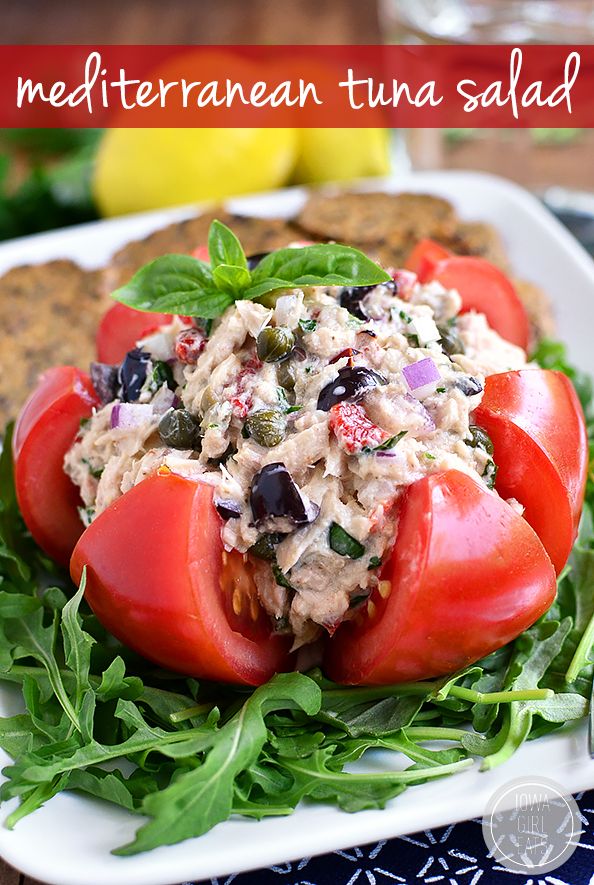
{"x":320,"y":265}
{"x":343,"y":543}
{"x":175,"y":284}
{"x":224,"y":247}
{"x":229,"y":278}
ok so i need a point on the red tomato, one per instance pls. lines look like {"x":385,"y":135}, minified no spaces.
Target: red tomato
{"x":424,"y":257}
{"x":45,"y":430}
{"x":484,"y":288}
{"x":159,"y":579}
{"x":201,"y":253}
{"x":466,"y":576}
{"x":121,"y":327}
{"x":536,"y":423}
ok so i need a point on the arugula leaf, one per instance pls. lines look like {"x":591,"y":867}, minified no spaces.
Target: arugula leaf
{"x":203,"y":796}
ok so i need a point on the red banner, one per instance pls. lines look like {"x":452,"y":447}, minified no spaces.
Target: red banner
{"x":305,"y":86}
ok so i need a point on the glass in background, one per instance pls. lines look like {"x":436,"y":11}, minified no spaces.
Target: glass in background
{"x":557,"y":164}
{"x":488,"y":21}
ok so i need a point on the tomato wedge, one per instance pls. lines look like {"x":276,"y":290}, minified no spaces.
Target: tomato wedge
{"x":121,"y":327}
{"x":424,"y":258}
{"x":484,"y":288}
{"x":45,"y":430}
{"x":159,"y":579}
{"x":537,"y":427}
{"x":466,"y":576}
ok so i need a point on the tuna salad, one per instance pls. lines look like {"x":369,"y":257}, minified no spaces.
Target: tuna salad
{"x":309,"y":415}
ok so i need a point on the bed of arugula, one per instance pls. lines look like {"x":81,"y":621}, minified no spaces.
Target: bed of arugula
{"x":201,"y":752}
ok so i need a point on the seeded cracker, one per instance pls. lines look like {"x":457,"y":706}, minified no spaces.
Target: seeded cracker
{"x":377,"y":217}
{"x":48,"y":317}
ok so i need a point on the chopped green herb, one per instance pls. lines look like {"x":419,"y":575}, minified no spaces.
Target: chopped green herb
{"x":96,"y":472}
{"x":162,"y":374}
{"x":280,"y":578}
{"x":284,"y":402}
{"x":490,"y":473}
{"x":440,"y":390}
{"x":479,"y":439}
{"x":429,"y":456}
{"x":308,"y":325}
{"x":387,"y":444}
{"x":404,"y":316}
{"x":343,"y":543}
{"x":265,"y":546}
{"x":374,"y":562}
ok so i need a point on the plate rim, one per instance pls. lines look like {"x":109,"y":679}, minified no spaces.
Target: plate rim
{"x":373,"y":825}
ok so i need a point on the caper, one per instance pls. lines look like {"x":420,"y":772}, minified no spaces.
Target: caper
{"x":265,"y":546}
{"x":286,"y":374}
{"x":275,"y":343}
{"x":178,"y":429}
{"x":208,"y":399}
{"x":267,"y":427}
{"x":450,"y":340}
{"x":479,"y":439}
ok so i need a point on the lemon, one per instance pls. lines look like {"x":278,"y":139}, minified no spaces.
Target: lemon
{"x":341,"y":154}
{"x":141,"y":169}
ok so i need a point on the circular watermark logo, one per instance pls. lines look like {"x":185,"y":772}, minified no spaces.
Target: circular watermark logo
{"x":530,"y":826}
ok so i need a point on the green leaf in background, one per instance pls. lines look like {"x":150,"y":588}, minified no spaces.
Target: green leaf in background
{"x":224,"y":247}
{"x":57,"y":190}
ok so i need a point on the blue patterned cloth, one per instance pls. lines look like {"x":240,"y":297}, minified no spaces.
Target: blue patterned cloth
{"x":454,"y":855}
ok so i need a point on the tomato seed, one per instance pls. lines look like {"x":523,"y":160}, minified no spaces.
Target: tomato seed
{"x":385,"y":588}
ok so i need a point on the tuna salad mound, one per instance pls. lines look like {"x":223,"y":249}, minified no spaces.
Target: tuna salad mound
{"x":309,"y":415}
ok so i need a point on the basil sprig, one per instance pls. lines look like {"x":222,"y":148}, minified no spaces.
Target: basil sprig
{"x":182,"y":284}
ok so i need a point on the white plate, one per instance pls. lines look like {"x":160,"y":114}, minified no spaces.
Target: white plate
{"x":68,"y":842}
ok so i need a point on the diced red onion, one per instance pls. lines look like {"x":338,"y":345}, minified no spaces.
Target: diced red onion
{"x":127,"y":416}
{"x":422,"y":378}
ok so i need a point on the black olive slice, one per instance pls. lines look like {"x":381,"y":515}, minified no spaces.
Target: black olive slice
{"x":104,"y":379}
{"x":352,"y":384}
{"x":254,"y":260}
{"x":468,"y":385}
{"x":275,"y":494}
{"x":228,"y":509}
{"x":132,"y":374}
